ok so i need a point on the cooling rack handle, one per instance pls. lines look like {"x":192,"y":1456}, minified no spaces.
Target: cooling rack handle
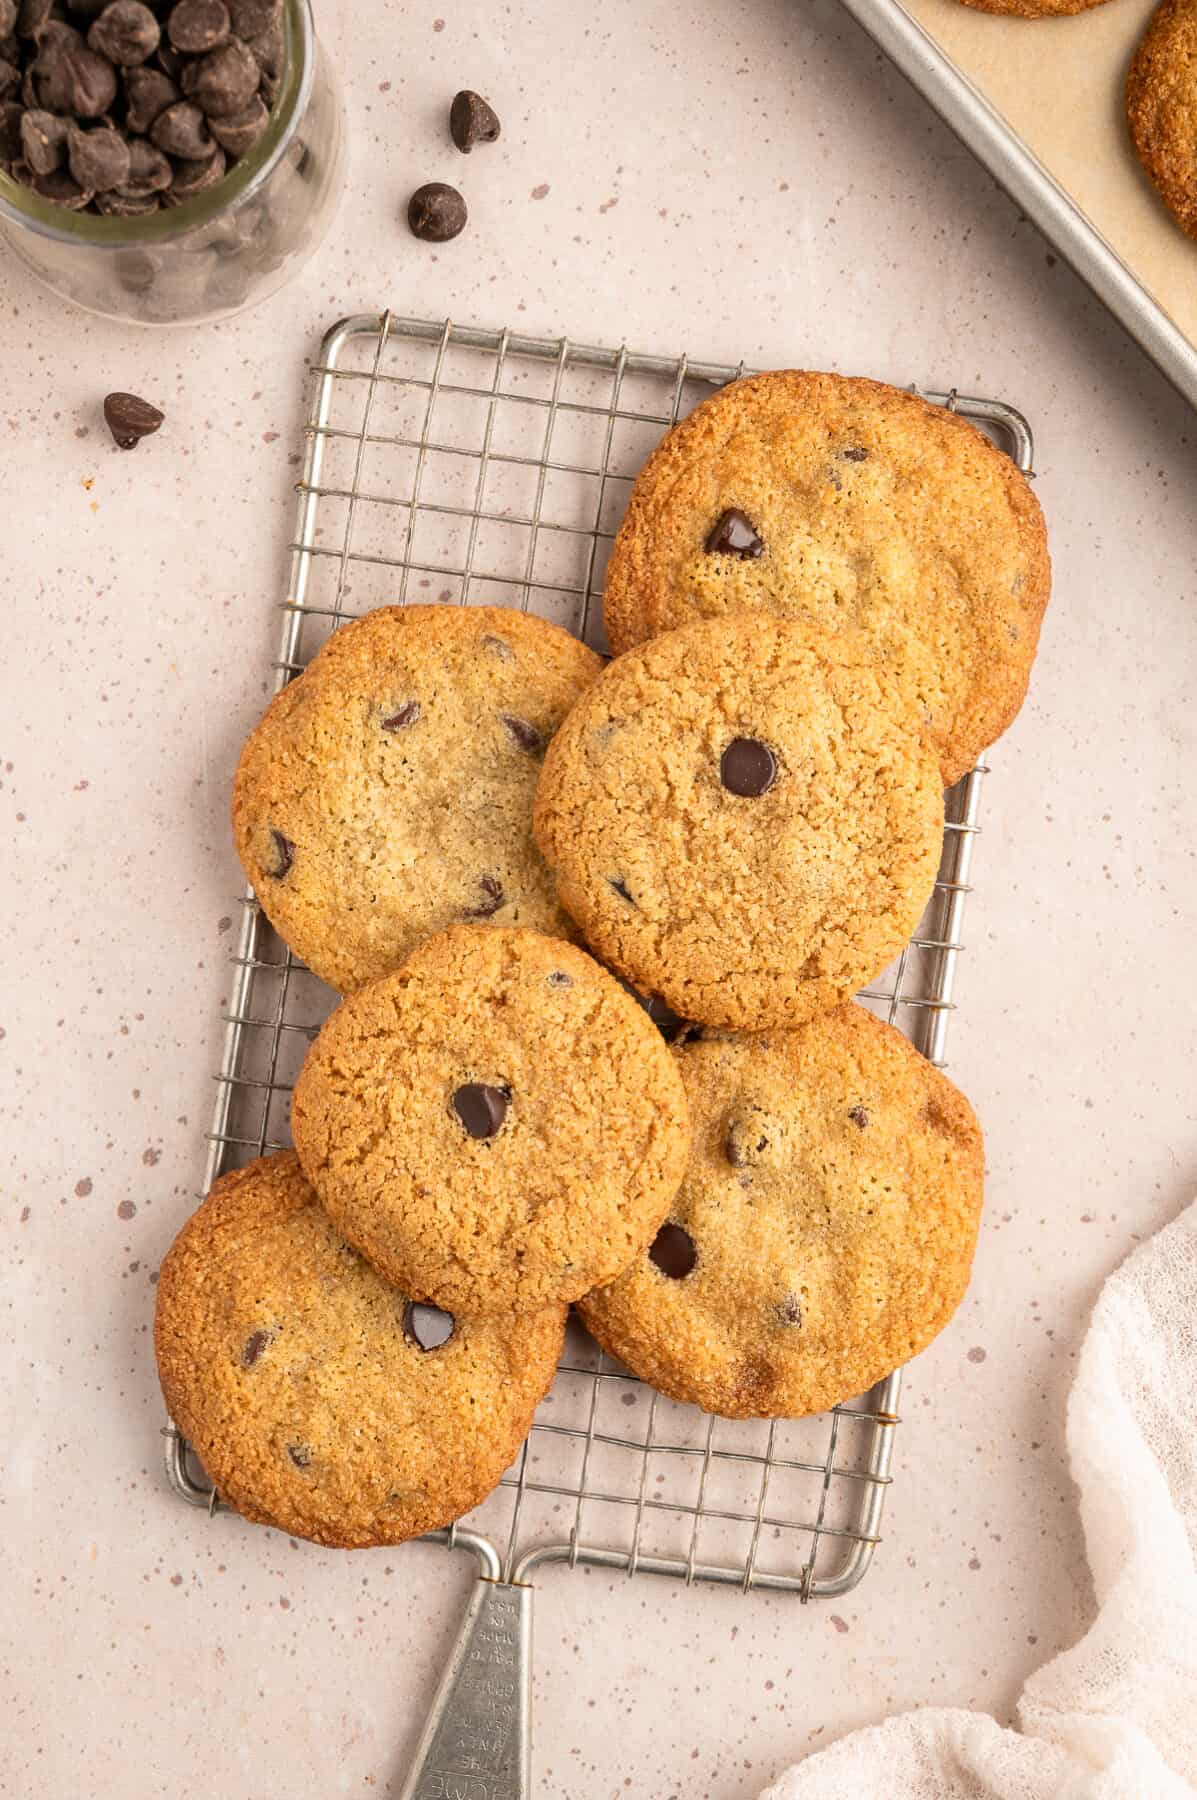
{"x":476,"y":1744}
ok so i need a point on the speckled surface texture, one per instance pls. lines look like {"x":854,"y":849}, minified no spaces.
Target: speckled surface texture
{"x":755,"y":184}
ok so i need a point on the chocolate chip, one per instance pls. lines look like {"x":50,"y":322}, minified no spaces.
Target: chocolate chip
{"x":659,"y":1011}
{"x":621,"y":888}
{"x":126,"y":32}
{"x":480,"y":1108}
{"x":223,"y":82}
{"x":196,"y":26}
{"x":789,"y":1311}
{"x":486,"y":909}
{"x":195,"y":177}
{"x":858,"y":1116}
{"x":130,"y":419}
{"x":526,"y":736}
{"x":857,"y":455}
{"x":559,"y":979}
{"x":182,"y":130}
{"x":11,"y":115}
{"x":250,"y":18}
{"x":408,"y":713}
{"x":255,"y":1343}
{"x":427,"y":1326}
{"x":748,"y":768}
{"x":238,"y":134}
{"x":673,"y":1252}
{"x":61,"y":189}
{"x":98,"y":159}
{"x":131,"y":206}
{"x":149,"y":92}
{"x":44,"y":141}
{"x":33,"y":17}
{"x":150,"y":172}
{"x":734,"y":535}
{"x":9,"y":13}
{"x":498,"y":647}
{"x":300,"y":1455}
{"x":269,"y":51}
{"x":10,"y":80}
{"x":472,"y":121}
{"x":746,"y":1140}
{"x":169,"y":61}
{"x":74,"y":80}
{"x":284,"y":853}
{"x":436,"y":213}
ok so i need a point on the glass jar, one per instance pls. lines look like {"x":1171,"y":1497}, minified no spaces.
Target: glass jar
{"x":226,"y":248}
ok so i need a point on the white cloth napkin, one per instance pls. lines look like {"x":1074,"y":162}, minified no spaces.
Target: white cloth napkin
{"x":1115,"y":1717}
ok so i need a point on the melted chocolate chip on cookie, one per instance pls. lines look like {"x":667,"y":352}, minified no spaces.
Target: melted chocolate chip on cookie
{"x":673,"y":1251}
{"x":734,"y":535}
{"x":284,"y":855}
{"x":481,"y":1108}
{"x":427,"y":1326}
{"x":748,"y":768}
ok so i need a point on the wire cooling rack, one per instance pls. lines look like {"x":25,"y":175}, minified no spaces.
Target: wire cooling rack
{"x":469,"y":466}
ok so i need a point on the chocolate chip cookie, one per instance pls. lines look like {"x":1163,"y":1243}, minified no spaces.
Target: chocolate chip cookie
{"x":744,"y":819}
{"x":1161,"y":107}
{"x":387,"y":792}
{"x":846,"y":504}
{"x":825,"y":1229}
{"x":497,"y":1125}
{"x":319,"y":1399}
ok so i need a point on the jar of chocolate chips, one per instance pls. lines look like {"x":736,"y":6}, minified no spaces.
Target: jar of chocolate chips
{"x":165,"y":161}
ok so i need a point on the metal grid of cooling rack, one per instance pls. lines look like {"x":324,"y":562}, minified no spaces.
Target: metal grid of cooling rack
{"x":472,"y":467}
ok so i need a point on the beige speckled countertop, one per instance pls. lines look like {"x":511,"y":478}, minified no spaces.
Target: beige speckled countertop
{"x":744,"y":181}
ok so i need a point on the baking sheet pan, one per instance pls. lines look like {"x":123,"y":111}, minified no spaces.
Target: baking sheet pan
{"x":1040,"y":103}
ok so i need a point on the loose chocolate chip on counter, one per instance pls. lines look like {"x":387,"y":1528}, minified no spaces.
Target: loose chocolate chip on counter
{"x":130,"y":419}
{"x":486,"y":909}
{"x":858,"y":1116}
{"x":195,"y":177}
{"x":621,"y":888}
{"x":150,"y":172}
{"x":197,"y":26}
{"x":407,"y":715}
{"x":223,"y":82}
{"x":44,"y":141}
{"x":255,"y":1343}
{"x":71,"y":79}
{"x":126,"y":32}
{"x":182,"y":130}
{"x":436,"y":213}
{"x":480,"y":1108}
{"x":284,"y":855}
{"x":673,"y":1252}
{"x":427,"y":1326}
{"x":11,"y":115}
{"x":61,"y":189}
{"x":252,"y":17}
{"x":748,"y":768}
{"x":472,"y":121}
{"x":856,"y":455}
{"x":526,"y":736}
{"x":789,"y":1311}
{"x":98,"y":159}
{"x":300,"y":1455}
{"x":734,"y":535}
{"x":148,"y":92}
{"x":239,"y":134}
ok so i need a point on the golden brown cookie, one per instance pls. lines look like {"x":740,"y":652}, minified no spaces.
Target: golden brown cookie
{"x":743,"y":819}
{"x":1161,"y":107}
{"x":1034,"y":9}
{"x":497,"y":1125}
{"x":387,"y":792}
{"x":825,"y":1229}
{"x":846,"y":505}
{"x":319,"y":1399}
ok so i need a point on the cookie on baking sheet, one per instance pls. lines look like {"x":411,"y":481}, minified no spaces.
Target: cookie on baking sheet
{"x":744,"y":819}
{"x":1034,"y":9}
{"x":824,"y":1231}
{"x":844,"y":504}
{"x":387,"y":792}
{"x":496,"y":1125}
{"x":1161,"y":107}
{"x":319,"y":1399}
